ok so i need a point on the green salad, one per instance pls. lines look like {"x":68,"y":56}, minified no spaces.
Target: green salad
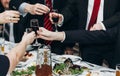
{"x":67,"y":68}
{"x":28,"y":72}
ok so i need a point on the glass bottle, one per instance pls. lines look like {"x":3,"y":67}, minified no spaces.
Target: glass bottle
{"x":44,"y":63}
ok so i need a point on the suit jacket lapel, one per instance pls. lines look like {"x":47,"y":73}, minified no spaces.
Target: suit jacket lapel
{"x":106,"y":8}
{"x":83,"y":7}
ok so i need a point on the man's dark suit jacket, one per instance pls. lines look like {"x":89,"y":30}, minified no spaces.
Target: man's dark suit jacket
{"x":110,"y":36}
{"x":78,"y":9}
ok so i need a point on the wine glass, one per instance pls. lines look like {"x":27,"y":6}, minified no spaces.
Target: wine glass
{"x":55,"y":19}
{"x":34,"y":24}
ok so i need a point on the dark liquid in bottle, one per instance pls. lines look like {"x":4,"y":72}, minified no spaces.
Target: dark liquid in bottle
{"x":55,"y":19}
{"x":35,"y":28}
{"x":44,"y":70}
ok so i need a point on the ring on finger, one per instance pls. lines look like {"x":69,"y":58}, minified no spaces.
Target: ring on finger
{"x":10,"y":18}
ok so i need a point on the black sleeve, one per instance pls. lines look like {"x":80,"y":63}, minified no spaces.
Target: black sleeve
{"x":4,"y":65}
{"x":92,"y":37}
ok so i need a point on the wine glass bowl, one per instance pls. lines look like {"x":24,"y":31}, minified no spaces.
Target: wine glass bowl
{"x":34,"y":24}
{"x":55,"y":19}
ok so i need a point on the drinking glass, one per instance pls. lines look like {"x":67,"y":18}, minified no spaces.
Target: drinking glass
{"x":2,"y":39}
{"x":34,"y":24}
{"x":118,"y":70}
{"x":44,"y":63}
{"x":55,"y":19}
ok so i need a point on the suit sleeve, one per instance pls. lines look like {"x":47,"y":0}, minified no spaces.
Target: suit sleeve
{"x":91,"y":37}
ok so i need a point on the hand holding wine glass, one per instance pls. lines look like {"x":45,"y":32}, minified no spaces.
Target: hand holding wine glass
{"x":34,"y":24}
{"x":55,"y":19}
{"x":58,"y":18}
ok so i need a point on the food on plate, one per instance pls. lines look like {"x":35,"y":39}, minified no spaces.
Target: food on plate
{"x":26,"y":56}
{"x":67,"y":68}
{"x":62,"y":58}
{"x":24,"y":72}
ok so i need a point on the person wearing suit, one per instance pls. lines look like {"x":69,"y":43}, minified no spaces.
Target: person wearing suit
{"x":110,"y":36}
{"x":18,"y":28}
{"x":108,"y":18}
{"x":57,"y":47}
{"x":9,"y":61}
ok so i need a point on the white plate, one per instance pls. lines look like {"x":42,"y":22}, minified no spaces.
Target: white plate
{"x":25,"y":63}
{"x":29,"y":47}
{"x":62,"y":58}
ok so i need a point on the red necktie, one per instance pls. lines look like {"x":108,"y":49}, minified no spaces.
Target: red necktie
{"x":94,"y":13}
{"x":47,"y":22}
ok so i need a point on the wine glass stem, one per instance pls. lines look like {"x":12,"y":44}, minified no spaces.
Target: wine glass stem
{"x":36,"y":41}
{"x":56,"y":28}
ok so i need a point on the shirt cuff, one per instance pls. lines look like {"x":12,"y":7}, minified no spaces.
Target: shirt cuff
{"x":21,"y":9}
{"x":60,"y":24}
{"x":103,"y":26}
{"x":64,"y":36}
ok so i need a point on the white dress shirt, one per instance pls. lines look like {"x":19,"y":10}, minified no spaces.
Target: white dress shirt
{"x":100,"y":12}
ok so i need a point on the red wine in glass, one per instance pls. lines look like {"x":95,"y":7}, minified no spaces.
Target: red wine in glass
{"x":35,"y":28}
{"x":34,"y":24}
{"x":55,"y":19}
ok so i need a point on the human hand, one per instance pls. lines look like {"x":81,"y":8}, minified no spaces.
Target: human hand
{"x":56,"y":15}
{"x":97,"y":26}
{"x":44,"y":34}
{"x":28,"y":38}
{"x":49,"y":35}
{"x":37,"y":9}
{"x":9,"y":16}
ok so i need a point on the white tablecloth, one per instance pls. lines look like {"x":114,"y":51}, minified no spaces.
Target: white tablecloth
{"x":103,"y":71}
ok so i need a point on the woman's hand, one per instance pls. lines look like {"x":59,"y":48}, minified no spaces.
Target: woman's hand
{"x":28,"y":38}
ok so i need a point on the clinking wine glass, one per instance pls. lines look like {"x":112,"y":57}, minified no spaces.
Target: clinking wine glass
{"x":55,"y":19}
{"x":34,"y":24}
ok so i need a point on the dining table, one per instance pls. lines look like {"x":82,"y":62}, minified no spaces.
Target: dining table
{"x":94,"y":70}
